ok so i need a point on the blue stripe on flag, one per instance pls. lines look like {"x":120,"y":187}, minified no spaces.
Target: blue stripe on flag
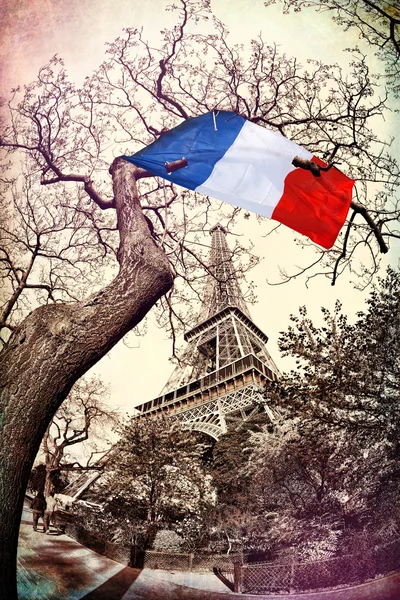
{"x":197,"y":141}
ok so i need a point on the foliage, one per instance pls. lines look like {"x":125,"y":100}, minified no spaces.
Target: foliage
{"x":328,"y":461}
{"x":352,"y":370}
{"x":168,"y":540}
{"x":236,"y":522}
{"x":155,"y":479}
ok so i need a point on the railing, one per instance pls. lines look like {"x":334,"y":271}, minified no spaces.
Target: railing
{"x":221,"y":375}
{"x":348,"y":570}
{"x":257,"y":578}
{"x":152,"y":559}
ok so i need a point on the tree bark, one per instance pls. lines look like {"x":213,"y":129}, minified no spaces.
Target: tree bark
{"x":56,"y":344}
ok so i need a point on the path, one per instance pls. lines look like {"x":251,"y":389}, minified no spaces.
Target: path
{"x":56,"y":567}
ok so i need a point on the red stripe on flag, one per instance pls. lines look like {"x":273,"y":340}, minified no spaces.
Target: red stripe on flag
{"x":315,"y":206}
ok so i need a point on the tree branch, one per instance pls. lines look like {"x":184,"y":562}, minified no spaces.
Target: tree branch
{"x":358,"y":208}
{"x":344,"y":251}
{"x":87,"y":184}
{"x":163,"y":66}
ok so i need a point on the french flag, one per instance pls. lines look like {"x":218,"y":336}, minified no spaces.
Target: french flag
{"x":234,"y":160}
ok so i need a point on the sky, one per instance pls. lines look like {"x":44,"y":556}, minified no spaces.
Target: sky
{"x":32,"y":31}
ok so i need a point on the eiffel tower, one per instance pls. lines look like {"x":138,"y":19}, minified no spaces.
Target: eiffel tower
{"x":225,"y":364}
{"x":223,"y":369}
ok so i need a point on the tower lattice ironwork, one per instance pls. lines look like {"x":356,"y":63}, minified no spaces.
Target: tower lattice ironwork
{"x":226,"y":362}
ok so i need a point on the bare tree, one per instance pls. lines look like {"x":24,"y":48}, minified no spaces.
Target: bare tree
{"x":331,"y":112}
{"x":84,"y":416}
{"x":377,"y":21}
{"x":48,"y":242}
{"x":59,"y":342}
{"x":96,"y":250}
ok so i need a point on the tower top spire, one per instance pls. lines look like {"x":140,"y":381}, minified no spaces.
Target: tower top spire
{"x":218,"y":227}
{"x":222,"y":287}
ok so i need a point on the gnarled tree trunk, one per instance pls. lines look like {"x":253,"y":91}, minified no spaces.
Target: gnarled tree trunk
{"x":56,"y":344}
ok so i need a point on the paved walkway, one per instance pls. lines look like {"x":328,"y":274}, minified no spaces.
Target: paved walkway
{"x":55,"y":567}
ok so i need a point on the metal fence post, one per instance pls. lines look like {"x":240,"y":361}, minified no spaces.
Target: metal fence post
{"x":133,"y":555}
{"x":292,"y":573}
{"x":190,"y":561}
{"x":238,"y":578}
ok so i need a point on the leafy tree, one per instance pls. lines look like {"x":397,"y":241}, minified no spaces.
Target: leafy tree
{"x":91,"y":250}
{"x":84,"y":413}
{"x":334,"y":458}
{"x":352,"y":370}
{"x":310,"y":476}
{"x":235,"y":519}
{"x":155,"y":478}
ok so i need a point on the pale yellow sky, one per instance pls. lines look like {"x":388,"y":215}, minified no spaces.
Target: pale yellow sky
{"x":33,"y":31}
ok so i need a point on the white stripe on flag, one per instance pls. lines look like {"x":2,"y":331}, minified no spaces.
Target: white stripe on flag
{"x":253,"y":170}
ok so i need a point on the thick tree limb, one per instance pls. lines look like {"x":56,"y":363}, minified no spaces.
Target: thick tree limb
{"x":358,"y":208}
{"x":87,"y":184}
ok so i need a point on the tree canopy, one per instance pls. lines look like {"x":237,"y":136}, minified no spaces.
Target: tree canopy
{"x":332,"y":461}
{"x":154,"y":480}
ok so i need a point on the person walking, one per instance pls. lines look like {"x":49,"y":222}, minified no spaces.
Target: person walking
{"x":51,"y":505}
{"x":38,"y":506}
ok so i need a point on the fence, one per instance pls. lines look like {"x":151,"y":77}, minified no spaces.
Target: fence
{"x":264,"y":578}
{"x":256,"y":578}
{"x":164,"y":560}
{"x":151,"y":559}
{"x":186,"y":562}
